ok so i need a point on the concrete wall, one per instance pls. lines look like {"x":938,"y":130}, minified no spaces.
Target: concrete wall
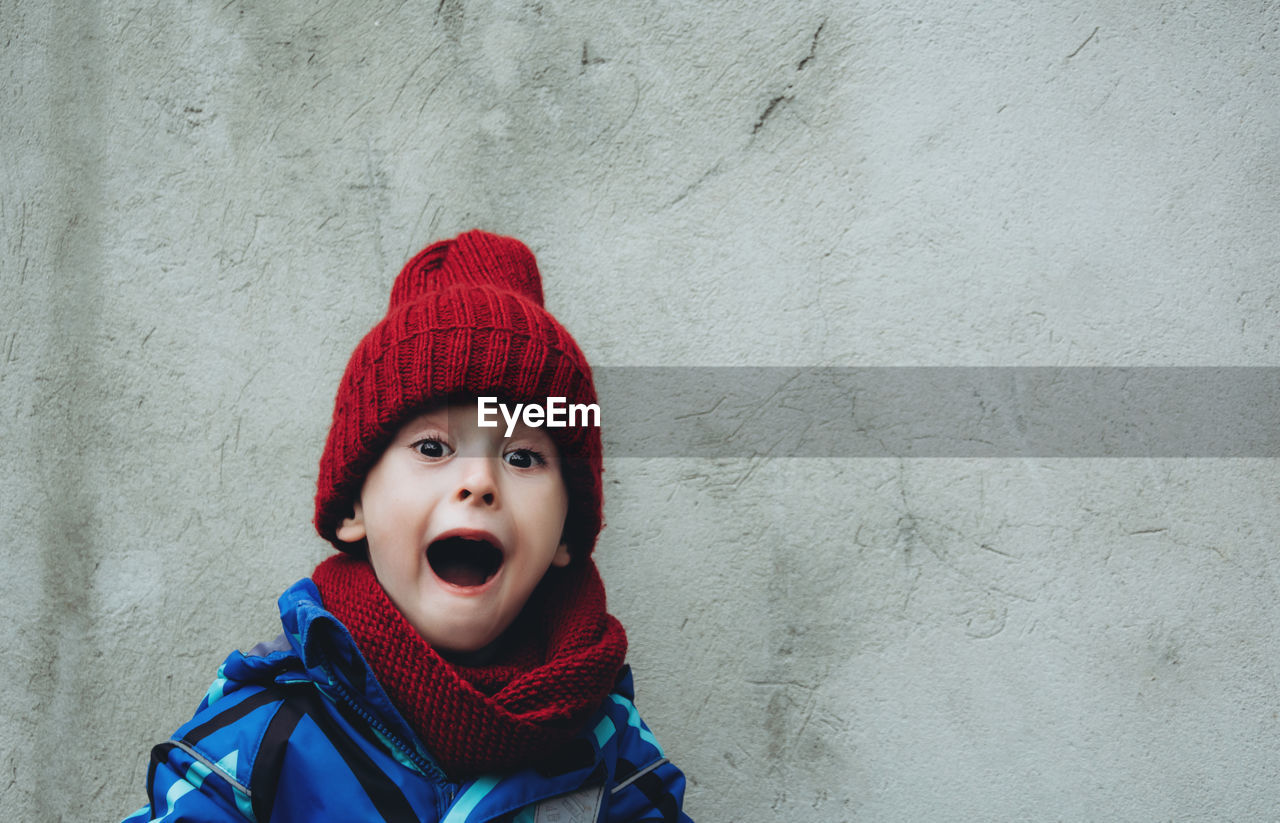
{"x":203,"y":205}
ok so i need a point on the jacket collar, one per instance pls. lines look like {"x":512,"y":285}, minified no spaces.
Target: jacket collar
{"x":329,"y":656}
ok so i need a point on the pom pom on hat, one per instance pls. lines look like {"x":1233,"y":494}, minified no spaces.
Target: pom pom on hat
{"x":465,"y":319}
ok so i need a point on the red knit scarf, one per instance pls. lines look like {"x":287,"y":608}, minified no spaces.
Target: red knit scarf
{"x":558,"y":662}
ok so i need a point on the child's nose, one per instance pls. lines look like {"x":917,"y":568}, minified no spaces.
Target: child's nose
{"x":478,"y":483}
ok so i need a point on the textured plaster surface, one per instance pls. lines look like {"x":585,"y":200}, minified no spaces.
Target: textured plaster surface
{"x":202,"y":207}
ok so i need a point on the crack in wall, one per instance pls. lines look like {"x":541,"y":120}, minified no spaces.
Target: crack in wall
{"x":1086,"y":42}
{"x":769,"y":110}
{"x":813,"y":47}
{"x":787,"y":96}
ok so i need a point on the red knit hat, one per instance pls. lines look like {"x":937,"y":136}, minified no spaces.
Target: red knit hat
{"x":466,"y":318}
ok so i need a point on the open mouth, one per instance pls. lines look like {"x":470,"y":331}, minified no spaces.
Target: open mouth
{"x":462,"y":562}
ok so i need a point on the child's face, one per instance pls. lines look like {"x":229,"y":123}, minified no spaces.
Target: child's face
{"x":462,"y":523}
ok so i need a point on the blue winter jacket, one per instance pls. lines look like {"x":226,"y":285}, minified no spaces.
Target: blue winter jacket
{"x":299,"y":730}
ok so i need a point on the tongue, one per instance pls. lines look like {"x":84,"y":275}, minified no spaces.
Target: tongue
{"x":461,"y":573}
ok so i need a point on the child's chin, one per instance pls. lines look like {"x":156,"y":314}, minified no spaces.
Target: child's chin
{"x":461,"y":645}
{"x":460,"y":627}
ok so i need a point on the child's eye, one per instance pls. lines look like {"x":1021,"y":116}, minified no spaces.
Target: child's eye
{"x":524,"y":458}
{"x":433,"y":448}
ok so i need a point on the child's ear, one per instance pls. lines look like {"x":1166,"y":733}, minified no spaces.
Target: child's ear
{"x":562,"y":556}
{"x":352,"y":528}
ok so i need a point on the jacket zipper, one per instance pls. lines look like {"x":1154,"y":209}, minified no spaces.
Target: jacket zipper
{"x":427,"y":767}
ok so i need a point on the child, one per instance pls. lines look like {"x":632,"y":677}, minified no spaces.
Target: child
{"x":455,"y":662}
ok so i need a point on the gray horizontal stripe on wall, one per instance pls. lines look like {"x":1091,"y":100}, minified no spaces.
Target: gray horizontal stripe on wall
{"x":940,"y":411}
